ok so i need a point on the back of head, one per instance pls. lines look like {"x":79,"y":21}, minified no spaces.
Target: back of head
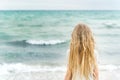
{"x":82,"y":51}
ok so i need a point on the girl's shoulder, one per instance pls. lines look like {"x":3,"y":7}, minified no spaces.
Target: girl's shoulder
{"x":96,"y":55}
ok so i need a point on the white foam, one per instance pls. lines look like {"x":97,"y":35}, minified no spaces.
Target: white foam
{"x":45,"y":42}
{"x":109,"y":23}
{"x":109,"y":67}
{"x":19,"y":67}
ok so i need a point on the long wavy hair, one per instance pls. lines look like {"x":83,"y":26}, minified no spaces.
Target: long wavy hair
{"x":81,"y":55}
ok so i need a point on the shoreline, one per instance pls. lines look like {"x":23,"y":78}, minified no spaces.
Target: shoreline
{"x":55,"y":75}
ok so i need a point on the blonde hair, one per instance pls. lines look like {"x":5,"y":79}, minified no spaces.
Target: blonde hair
{"x":81,"y":55}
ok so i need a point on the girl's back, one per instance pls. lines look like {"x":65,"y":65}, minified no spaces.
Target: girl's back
{"x":76,"y":76}
{"x":82,"y":63}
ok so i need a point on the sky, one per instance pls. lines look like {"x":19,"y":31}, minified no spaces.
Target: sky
{"x":59,"y":4}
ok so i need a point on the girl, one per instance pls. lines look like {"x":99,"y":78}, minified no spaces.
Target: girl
{"x":82,"y":63}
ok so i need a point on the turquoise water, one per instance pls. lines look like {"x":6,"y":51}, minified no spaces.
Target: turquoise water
{"x":42,"y":38}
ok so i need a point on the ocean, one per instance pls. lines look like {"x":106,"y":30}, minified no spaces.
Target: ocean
{"x":34,"y":44}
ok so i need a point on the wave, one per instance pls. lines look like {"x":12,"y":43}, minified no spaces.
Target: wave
{"x":111,"y":25}
{"x":109,"y":67}
{"x":37,"y":42}
{"x":43,"y":42}
{"x":19,"y":67}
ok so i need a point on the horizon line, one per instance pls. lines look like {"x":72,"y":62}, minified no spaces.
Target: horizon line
{"x":59,"y":9}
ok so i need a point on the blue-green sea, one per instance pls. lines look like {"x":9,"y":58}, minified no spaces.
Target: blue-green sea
{"x":34,"y":44}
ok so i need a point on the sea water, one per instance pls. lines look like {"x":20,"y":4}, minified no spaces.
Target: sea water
{"x":34,"y":44}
